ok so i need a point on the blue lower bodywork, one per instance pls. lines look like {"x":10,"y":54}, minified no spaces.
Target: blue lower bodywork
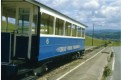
{"x":5,"y":47}
{"x":49,"y":47}
{"x":56,"y":46}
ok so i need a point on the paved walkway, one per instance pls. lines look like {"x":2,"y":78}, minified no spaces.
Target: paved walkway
{"x":91,"y":70}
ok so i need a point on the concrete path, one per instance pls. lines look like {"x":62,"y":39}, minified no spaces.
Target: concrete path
{"x":88,"y":69}
{"x":91,"y":70}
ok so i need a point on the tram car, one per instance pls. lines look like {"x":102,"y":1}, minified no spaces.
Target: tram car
{"x":33,"y":35}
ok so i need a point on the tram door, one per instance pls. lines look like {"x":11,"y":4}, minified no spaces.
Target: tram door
{"x":22,"y":36}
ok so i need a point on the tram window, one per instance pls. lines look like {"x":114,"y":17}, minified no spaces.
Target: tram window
{"x":59,"y":27}
{"x":35,"y":20}
{"x":68,"y":29}
{"x":43,"y":29}
{"x":74,"y":30}
{"x":3,"y":24}
{"x":46,"y":24}
{"x":34,"y":25}
{"x":83,"y":32}
{"x":11,"y":24}
{"x":79,"y":31}
{"x":8,"y":19}
{"x":23,"y":22}
{"x":50,"y":24}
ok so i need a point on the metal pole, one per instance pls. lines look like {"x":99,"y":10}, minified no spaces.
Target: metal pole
{"x":92,"y":34}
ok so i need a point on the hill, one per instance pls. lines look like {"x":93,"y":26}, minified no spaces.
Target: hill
{"x":109,"y":34}
{"x":96,"y":42}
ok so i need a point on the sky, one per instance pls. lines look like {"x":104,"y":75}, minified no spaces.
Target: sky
{"x":104,"y":14}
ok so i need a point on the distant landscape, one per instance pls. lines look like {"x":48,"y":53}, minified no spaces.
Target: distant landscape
{"x":102,"y":36}
{"x":107,"y":34}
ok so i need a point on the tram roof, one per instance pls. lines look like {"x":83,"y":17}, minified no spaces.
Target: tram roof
{"x":44,"y":7}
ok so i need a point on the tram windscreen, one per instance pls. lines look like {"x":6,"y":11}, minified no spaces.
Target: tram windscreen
{"x":23,"y":22}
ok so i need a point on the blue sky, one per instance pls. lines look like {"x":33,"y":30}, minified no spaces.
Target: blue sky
{"x":104,"y":14}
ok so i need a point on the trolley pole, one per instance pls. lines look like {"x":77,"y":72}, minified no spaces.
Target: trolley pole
{"x":92,"y":34}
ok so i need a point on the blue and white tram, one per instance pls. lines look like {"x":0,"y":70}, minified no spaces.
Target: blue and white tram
{"x":32,"y":34}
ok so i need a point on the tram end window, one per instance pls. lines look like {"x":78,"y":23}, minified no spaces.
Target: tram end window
{"x":8,"y":19}
{"x":34,"y":24}
{"x":23,"y":22}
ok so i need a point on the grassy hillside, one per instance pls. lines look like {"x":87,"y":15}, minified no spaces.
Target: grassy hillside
{"x":98,"y":42}
{"x":116,"y":43}
{"x":106,"y":34}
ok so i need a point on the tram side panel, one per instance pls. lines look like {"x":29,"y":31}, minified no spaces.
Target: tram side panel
{"x":56,"y":46}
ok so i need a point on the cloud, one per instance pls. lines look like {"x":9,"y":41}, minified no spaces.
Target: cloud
{"x":112,"y":14}
{"x":116,"y":3}
{"x":92,"y":4}
{"x":59,"y":3}
{"x":109,"y":10}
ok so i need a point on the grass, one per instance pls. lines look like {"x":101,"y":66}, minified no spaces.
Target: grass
{"x":107,"y":72}
{"x":96,"y":42}
{"x":107,"y":69}
{"x":116,"y":43}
